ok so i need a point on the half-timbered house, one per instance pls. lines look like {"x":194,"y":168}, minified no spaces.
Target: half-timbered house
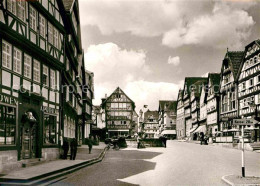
{"x":180,"y":127}
{"x":228,"y":90}
{"x":37,"y":44}
{"x":249,"y":86}
{"x":119,"y":110}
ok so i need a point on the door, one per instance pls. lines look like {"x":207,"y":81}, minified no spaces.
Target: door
{"x":28,"y":140}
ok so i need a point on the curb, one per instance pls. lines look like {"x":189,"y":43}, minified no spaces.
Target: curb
{"x":226,"y":181}
{"x":50,"y":177}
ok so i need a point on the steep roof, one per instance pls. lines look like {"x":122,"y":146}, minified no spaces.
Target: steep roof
{"x":118,"y":89}
{"x":198,"y":87}
{"x":149,"y":113}
{"x":215,"y":81}
{"x":236,"y":59}
{"x":170,"y":105}
{"x":189,"y":81}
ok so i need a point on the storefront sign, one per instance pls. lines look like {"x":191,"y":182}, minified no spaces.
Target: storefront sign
{"x":244,"y":121}
{"x":49,"y":110}
{"x":8,"y":100}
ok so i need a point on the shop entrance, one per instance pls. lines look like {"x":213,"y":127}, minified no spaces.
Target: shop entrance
{"x":28,"y":136}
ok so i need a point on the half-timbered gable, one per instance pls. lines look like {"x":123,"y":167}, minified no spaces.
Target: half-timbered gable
{"x":180,"y":116}
{"x":119,"y":113}
{"x":228,"y":90}
{"x":213,"y":103}
{"x":249,"y":81}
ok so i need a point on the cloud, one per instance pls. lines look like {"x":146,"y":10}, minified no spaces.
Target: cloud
{"x":174,"y":60}
{"x":206,"y":23}
{"x":149,"y":93}
{"x":225,"y":26}
{"x":114,"y":66}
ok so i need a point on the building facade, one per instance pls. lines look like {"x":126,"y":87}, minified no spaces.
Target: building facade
{"x":249,"y":86}
{"x":228,"y":90}
{"x":167,"y":118}
{"x":35,"y":47}
{"x":180,"y":127}
{"x":119,"y":111}
{"x":213,"y":104}
{"x":151,"y":124}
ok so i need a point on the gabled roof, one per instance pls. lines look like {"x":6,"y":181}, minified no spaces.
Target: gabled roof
{"x":235,"y":58}
{"x":170,"y":105}
{"x":118,"y":89}
{"x":149,"y":113}
{"x":190,"y":81}
{"x":214,"y":78}
{"x":198,"y":87}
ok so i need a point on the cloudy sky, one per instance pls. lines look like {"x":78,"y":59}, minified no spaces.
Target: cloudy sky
{"x":148,"y":47}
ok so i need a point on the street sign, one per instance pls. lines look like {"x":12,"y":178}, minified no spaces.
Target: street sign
{"x":244,"y":121}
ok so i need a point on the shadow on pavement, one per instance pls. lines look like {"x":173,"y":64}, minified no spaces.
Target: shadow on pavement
{"x":116,"y":165}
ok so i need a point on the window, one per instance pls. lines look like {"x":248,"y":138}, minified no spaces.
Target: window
{"x":21,"y":9}
{"x":36,"y":71}
{"x":7,"y":53}
{"x":27,"y":66}
{"x":7,"y":125}
{"x":50,"y":33}
{"x":243,"y":85}
{"x":258,"y":79}
{"x":232,"y":101}
{"x":251,"y":82}
{"x":49,"y":132}
{"x":11,"y":6}
{"x":56,"y":38}
{"x":224,"y":103}
{"x":42,"y":23}
{"x":45,"y":76}
{"x":33,"y":18}
{"x":52,"y":79}
{"x":17,"y":59}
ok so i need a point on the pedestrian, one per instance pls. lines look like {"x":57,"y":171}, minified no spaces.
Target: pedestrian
{"x":65,"y":147}
{"x":138,"y":141}
{"x":164,"y":141}
{"x":73,"y":149}
{"x":89,"y":145}
{"x":201,"y":138}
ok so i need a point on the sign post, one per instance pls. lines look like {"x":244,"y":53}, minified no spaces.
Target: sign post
{"x":243,"y":122}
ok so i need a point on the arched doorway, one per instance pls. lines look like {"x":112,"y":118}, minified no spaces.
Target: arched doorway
{"x":28,"y":135}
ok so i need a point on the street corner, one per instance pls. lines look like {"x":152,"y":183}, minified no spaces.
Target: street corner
{"x":236,"y":180}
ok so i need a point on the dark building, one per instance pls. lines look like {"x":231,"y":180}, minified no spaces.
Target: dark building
{"x":119,"y":112}
{"x":40,"y":53}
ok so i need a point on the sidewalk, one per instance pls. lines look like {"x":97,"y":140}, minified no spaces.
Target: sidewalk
{"x":238,"y":180}
{"x":38,"y":173}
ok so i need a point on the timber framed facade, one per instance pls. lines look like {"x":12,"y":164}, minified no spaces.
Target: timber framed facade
{"x":40,"y":53}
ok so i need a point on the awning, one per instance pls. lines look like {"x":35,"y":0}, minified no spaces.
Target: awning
{"x":169,"y":132}
{"x":233,"y":130}
{"x":190,"y":131}
{"x":201,"y":129}
{"x":250,"y":128}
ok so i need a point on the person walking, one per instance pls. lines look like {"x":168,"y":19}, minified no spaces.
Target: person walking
{"x":73,"y":149}
{"x":138,"y":141}
{"x":90,"y":145}
{"x":201,"y":138}
{"x":65,"y":147}
{"x":164,"y":139}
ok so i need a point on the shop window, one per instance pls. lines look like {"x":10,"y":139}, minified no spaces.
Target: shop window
{"x":50,"y":131}
{"x":7,"y":125}
{"x":17,"y":59}
{"x":6,"y":56}
{"x":27,"y":66}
